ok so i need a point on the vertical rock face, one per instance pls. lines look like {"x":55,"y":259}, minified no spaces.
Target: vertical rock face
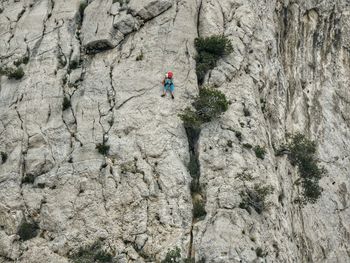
{"x":92,"y":79}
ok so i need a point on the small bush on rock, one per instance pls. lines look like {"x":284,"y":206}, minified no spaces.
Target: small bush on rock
{"x":103,"y":148}
{"x":27,"y":231}
{"x":259,"y":152}
{"x":208,"y":105}
{"x":172,"y":256}
{"x":12,"y":73}
{"x":302,"y":152}
{"x":255,"y":198}
{"x":93,"y":253}
{"x":210,"y":49}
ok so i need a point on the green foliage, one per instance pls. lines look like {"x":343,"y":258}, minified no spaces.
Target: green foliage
{"x":12,"y":73}
{"x":255,"y":198}
{"x":27,"y":231}
{"x":66,"y":104}
{"x":172,"y":256}
{"x":3,"y":157}
{"x":73,"y":64}
{"x":193,"y":166}
{"x":210,"y":50}
{"x":28,"y":179}
{"x":198,"y":208}
{"x":83,"y":4}
{"x":140,"y":56}
{"x":103,"y":148}
{"x":238,"y":135}
{"x":93,"y":253}
{"x":259,"y":152}
{"x":208,"y":105}
{"x":259,"y":252}
{"x":23,"y":60}
{"x":302,"y":152}
{"x":247,"y":145}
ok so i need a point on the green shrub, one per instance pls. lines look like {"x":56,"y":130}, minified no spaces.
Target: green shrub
{"x":28,"y":179}
{"x":73,"y":64}
{"x":193,"y":166}
{"x":27,"y":231}
{"x":259,"y":152}
{"x":302,"y":152}
{"x":17,"y":73}
{"x":140,"y":56}
{"x":208,"y":105}
{"x":172,"y":256}
{"x":259,"y":252}
{"x":83,"y":4}
{"x":255,"y":198}
{"x":247,"y":145}
{"x":23,"y":60}
{"x":229,"y":143}
{"x":198,"y":209}
{"x":216,"y":45}
{"x":238,"y":135}
{"x":93,"y":253}
{"x":3,"y":157}
{"x":103,"y":148}
{"x":12,"y":73}
{"x":66,"y":104}
{"x":210,"y":50}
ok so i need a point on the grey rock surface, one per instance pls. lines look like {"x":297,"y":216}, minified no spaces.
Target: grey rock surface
{"x":289,"y":68}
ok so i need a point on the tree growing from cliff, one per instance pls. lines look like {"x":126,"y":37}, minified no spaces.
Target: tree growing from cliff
{"x":207,"y":106}
{"x":302,"y":153}
{"x":210,"y":50}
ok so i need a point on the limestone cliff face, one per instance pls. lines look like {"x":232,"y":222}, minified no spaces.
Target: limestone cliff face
{"x":290,"y":69}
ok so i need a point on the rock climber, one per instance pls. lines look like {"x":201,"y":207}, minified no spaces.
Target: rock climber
{"x":168,"y":84}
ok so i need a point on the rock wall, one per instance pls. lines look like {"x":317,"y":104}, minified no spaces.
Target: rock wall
{"x":289,"y":72}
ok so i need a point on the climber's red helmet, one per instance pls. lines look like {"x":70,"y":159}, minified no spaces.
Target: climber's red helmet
{"x":170,"y":75}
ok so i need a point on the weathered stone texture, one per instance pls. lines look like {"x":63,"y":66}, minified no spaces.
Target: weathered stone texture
{"x":290,"y":68}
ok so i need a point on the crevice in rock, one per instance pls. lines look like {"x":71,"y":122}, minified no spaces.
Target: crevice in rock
{"x":198,"y":198}
{"x":43,"y":33}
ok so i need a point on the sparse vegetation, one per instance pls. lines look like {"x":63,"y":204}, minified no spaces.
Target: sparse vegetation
{"x":140,"y":56}
{"x":172,"y":256}
{"x":238,"y":135}
{"x":27,"y":231}
{"x":3,"y":157}
{"x":66,"y":104}
{"x":210,"y":50}
{"x":208,"y":105}
{"x":260,"y":152}
{"x":93,"y":253}
{"x":247,"y":145}
{"x":302,"y":152}
{"x":73,"y":64}
{"x":28,"y":179}
{"x":12,"y":73}
{"x":23,"y":60}
{"x":83,"y":4}
{"x":198,"y":208}
{"x":246,"y":112}
{"x":103,"y":148}
{"x":259,"y":252}
{"x":255,"y":198}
